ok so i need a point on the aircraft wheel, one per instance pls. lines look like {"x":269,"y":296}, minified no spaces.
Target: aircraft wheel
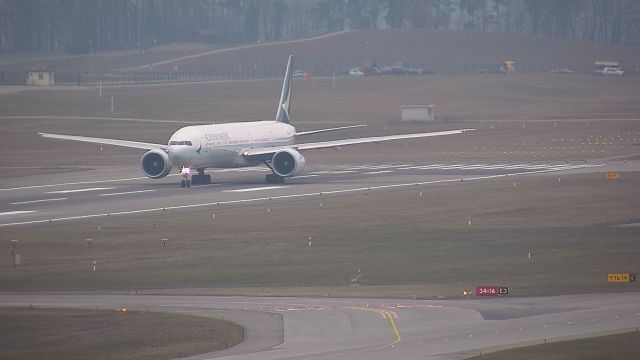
{"x":188,"y":183}
{"x":274,"y":179}
{"x":183,"y":183}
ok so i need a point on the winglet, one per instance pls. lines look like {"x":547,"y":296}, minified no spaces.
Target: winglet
{"x":283,"y":115}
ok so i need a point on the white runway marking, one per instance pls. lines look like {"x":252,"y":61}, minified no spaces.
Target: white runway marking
{"x":126,"y":179}
{"x":424,"y":167}
{"x":15,"y":212}
{"x":257,"y":189}
{"x":76,"y":183}
{"x":128,"y":192}
{"x":306,"y":176}
{"x":329,"y":172}
{"x":497,"y":167}
{"x":38,"y":201}
{"x":378,"y":172}
{"x":78,"y":190}
{"x":302,"y":195}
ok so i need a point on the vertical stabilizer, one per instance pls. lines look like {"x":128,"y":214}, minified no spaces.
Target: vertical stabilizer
{"x":283,"y":114}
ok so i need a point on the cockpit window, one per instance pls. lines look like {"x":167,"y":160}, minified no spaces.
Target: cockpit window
{"x":188,"y":143}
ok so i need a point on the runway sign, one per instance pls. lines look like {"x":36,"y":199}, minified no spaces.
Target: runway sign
{"x":621,"y":278}
{"x":612,"y":175}
{"x":487,"y":290}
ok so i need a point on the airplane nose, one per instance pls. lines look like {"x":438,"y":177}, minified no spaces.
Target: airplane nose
{"x":179,"y":156}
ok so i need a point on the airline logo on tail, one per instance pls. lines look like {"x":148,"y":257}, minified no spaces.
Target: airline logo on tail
{"x":282,"y":115}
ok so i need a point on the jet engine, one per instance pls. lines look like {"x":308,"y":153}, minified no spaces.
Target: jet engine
{"x":288,"y":162}
{"x":156,"y":164}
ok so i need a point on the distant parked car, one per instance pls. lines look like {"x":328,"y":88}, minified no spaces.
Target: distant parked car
{"x":369,"y":70}
{"x":299,"y":73}
{"x":400,"y":69}
{"x":356,"y":72}
{"x":611,"y":71}
{"x":562,"y":71}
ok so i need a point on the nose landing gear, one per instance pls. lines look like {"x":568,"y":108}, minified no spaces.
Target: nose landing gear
{"x":188,"y":179}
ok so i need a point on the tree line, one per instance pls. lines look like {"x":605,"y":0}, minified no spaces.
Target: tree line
{"x":83,"y":26}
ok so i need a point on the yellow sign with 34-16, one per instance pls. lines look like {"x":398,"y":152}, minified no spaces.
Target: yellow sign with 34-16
{"x":621,"y":278}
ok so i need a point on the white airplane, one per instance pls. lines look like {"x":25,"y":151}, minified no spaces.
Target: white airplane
{"x":233,"y":145}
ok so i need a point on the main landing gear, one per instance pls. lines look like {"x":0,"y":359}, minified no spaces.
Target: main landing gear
{"x":274,"y":179}
{"x":200,"y":179}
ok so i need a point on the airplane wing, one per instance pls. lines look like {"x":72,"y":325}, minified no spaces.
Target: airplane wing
{"x":125,"y":143}
{"x":326,"y":130}
{"x":339,"y":143}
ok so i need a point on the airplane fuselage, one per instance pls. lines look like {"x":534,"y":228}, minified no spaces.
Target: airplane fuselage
{"x":221,"y":145}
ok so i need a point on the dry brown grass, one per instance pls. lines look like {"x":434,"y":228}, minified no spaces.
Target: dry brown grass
{"x":34,"y":333}
{"x":611,"y":347}
{"x":405,"y":244}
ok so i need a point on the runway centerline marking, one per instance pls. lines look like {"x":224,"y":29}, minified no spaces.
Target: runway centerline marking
{"x":378,"y":172}
{"x":280,"y":197}
{"x":79,"y":190}
{"x":76,"y":183}
{"x":16,"y":212}
{"x":37,"y":201}
{"x":306,"y":176}
{"x":128,"y":192}
{"x":257,"y":189}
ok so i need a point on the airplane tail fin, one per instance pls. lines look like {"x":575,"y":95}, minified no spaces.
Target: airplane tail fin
{"x":283,"y":114}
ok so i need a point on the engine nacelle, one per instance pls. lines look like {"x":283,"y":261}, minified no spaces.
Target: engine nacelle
{"x":156,"y":164}
{"x":288,"y":162}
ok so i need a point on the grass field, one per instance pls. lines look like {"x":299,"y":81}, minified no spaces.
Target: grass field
{"x":404,"y":243}
{"x":103,"y":62}
{"x":35,"y":333}
{"x":612,"y":347}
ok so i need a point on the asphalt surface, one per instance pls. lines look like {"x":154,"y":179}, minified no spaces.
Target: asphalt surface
{"x":123,"y":191}
{"x":298,"y":328}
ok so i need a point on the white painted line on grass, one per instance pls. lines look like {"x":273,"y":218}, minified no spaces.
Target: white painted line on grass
{"x":79,"y":190}
{"x":257,"y":189}
{"x":38,"y":201}
{"x":128,"y":192}
{"x":15,"y":212}
{"x":280,"y":197}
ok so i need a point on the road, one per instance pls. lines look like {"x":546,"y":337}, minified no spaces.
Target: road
{"x":123,"y":191}
{"x":299,"y":328}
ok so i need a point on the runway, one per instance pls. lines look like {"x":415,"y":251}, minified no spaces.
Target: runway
{"x":299,"y":328}
{"x":122,"y":191}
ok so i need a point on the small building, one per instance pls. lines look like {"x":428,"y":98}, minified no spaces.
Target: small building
{"x":40,"y":78}
{"x":417,"y":112}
